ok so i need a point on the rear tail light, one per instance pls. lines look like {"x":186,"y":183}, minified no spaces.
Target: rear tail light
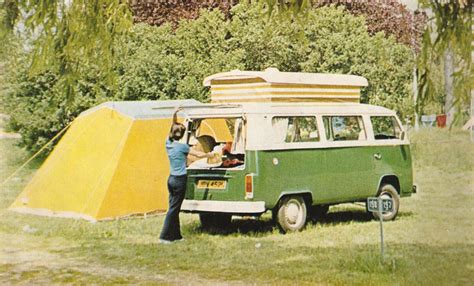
{"x":249,"y":186}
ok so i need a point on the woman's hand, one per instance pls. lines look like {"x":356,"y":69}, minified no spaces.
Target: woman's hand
{"x":209,"y":155}
{"x":175,"y":114}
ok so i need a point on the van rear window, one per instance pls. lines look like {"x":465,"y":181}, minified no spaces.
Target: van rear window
{"x":223,"y":137}
{"x":385,"y":127}
{"x":291,"y":129}
{"x":342,"y":128}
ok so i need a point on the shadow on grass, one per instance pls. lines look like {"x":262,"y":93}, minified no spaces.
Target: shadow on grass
{"x":242,"y":226}
{"x":342,"y":217}
{"x":267,"y":226}
{"x":350,"y":216}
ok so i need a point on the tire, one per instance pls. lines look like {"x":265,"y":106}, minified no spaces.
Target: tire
{"x":388,"y":191}
{"x":316,"y":212}
{"x":214,"y":220}
{"x":292,"y":214}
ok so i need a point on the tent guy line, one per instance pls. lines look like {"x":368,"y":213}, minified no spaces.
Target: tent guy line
{"x":36,"y":154}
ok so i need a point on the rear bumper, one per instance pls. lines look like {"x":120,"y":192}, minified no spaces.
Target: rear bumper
{"x":232,"y":207}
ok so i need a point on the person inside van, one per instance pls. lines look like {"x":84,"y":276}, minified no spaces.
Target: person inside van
{"x":177,"y":154}
{"x":231,"y":160}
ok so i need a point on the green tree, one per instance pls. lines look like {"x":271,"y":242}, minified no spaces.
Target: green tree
{"x":38,"y":107}
{"x":448,"y":40}
{"x":153,"y":63}
{"x":331,"y":41}
{"x":164,"y":64}
{"x":66,"y":37}
{"x":448,"y":35}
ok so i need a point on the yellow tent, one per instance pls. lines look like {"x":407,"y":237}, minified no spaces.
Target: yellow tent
{"x":110,"y":163}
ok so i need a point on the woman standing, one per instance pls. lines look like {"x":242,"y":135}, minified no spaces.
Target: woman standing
{"x":177,"y":153}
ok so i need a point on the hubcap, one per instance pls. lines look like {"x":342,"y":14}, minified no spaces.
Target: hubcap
{"x":293,"y":213}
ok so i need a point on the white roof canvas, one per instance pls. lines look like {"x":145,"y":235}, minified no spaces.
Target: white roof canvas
{"x":273,"y":75}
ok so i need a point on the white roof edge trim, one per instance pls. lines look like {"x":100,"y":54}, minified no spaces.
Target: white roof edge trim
{"x":290,"y":108}
{"x":135,"y":109}
{"x":272,"y":75}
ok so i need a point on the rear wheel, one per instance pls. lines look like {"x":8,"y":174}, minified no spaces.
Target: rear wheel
{"x":292,"y":213}
{"x":215,"y":220}
{"x":388,"y":192}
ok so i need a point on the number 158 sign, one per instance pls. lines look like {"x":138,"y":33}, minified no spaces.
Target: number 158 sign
{"x":380,"y":206}
{"x":373,"y":204}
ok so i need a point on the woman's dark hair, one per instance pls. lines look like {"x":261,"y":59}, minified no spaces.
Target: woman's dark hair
{"x":177,"y":131}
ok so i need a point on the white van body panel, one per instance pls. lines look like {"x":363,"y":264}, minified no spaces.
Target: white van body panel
{"x":258,"y":118}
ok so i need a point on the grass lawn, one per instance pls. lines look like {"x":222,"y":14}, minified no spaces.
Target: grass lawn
{"x":430,"y":243}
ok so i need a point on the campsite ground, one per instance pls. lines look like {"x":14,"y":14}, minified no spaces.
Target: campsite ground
{"x":430,"y":243}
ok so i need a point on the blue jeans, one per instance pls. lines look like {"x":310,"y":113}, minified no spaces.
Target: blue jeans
{"x":177,"y":189}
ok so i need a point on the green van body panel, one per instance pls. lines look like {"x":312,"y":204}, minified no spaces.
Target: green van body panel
{"x":234,"y":190}
{"x":329,"y":175}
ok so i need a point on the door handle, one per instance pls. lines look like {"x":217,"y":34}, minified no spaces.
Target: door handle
{"x":378,"y":156}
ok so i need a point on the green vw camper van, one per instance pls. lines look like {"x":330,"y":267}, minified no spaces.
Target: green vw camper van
{"x":292,"y":144}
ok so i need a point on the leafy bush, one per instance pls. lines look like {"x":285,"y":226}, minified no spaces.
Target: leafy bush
{"x":161,"y":63}
{"x":38,"y":107}
{"x":329,"y":41}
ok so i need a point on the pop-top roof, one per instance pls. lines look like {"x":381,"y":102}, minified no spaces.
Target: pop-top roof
{"x":273,"y":75}
{"x":272,"y":85}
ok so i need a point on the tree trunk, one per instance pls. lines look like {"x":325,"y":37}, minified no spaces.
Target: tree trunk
{"x":415,"y":97}
{"x":449,"y":86}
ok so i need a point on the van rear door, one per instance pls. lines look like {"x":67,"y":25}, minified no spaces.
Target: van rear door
{"x":222,"y":176}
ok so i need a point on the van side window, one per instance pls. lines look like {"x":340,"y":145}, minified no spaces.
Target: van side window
{"x":385,"y":127}
{"x":295,"y":129}
{"x":341,"y":128}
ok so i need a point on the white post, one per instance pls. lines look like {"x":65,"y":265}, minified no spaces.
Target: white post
{"x":472,"y":115}
{"x":449,"y":85}
{"x":380,"y":211}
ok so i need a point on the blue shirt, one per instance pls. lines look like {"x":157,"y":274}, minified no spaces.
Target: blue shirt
{"x":177,"y":153}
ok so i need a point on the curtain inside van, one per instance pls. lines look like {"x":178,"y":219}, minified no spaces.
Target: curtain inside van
{"x":280,"y":126}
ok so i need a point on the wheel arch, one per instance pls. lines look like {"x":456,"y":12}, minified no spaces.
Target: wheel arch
{"x":307,"y":197}
{"x":391,"y":179}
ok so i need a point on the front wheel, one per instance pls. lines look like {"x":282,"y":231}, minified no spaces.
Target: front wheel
{"x":292,"y":213}
{"x":388,"y":192}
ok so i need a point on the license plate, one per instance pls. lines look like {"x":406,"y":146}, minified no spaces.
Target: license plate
{"x":212,"y":184}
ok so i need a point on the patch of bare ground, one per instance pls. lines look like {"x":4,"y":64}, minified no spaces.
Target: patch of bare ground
{"x":3,"y":134}
{"x":25,"y":260}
